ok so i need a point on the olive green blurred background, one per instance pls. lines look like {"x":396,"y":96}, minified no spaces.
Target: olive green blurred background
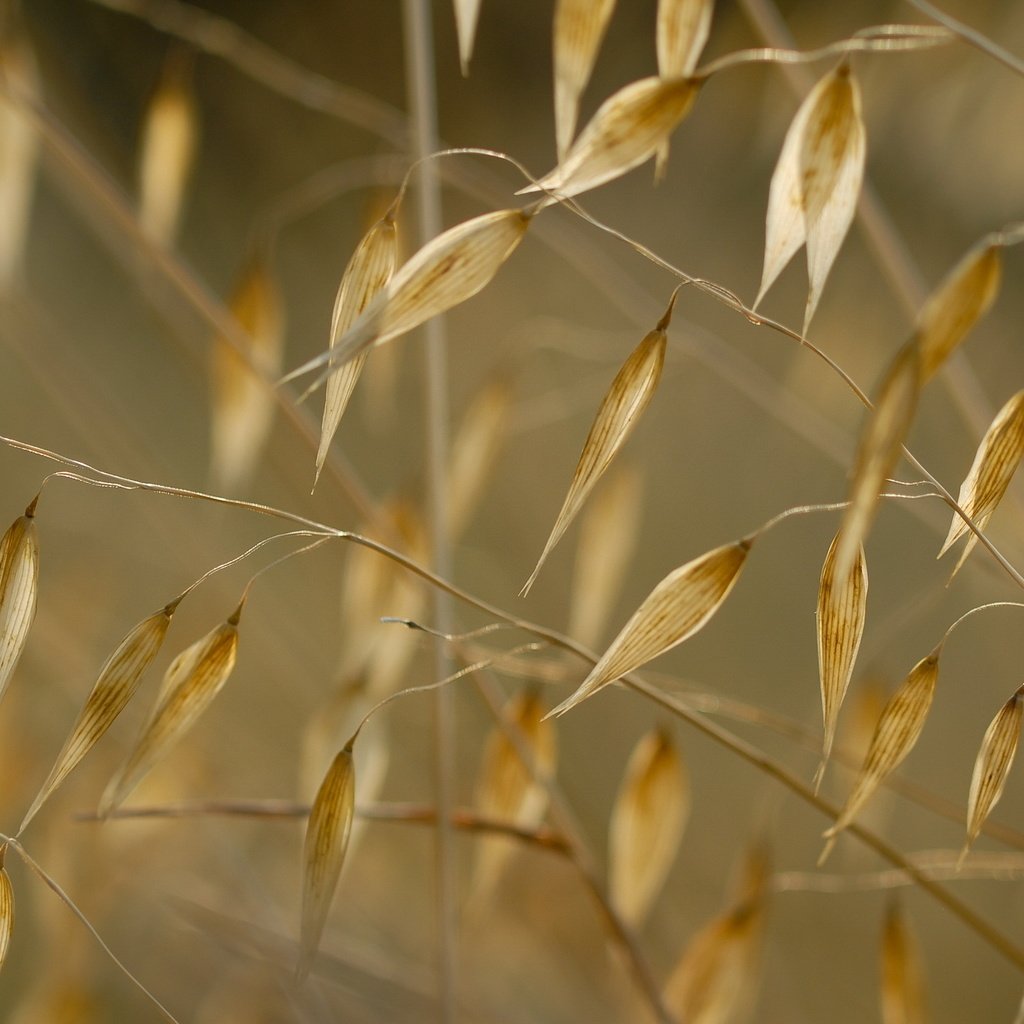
{"x":103,"y":361}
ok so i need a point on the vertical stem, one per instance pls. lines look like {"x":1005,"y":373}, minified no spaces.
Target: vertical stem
{"x":422,"y":99}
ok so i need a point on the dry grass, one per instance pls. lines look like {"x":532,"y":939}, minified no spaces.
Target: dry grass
{"x":181,"y":190}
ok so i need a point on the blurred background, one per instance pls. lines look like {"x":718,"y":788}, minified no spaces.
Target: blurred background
{"x":294,"y":116}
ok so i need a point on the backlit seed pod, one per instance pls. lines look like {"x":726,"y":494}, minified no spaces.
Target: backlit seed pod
{"x":993,"y":764}
{"x":327,"y":834}
{"x":646,"y":825}
{"x":679,"y":606}
{"x":19,"y":584}
{"x":191,"y":682}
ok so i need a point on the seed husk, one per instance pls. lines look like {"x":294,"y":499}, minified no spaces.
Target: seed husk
{"x":242,"y":397}
{"x":646,"y":825}
{"x":507,"y":790}
{"x":816,"y":183}
{"x":6,"y":909}
{"x":992,"y":765}
{"x":679,"y":606}
{"x":896,"y":733}
{"x":118,"y":680}
{"x":878,"y":452}
{"x":842,"y":608}
{"x":621,"y":408}
{"x":191,"y":682}
{"x":447,"y":271}
{"x":19,"y":586}
{"x":327,"y":834}
{"x":957,"y":304}
{"x":903,"y":985}
{"x":995,"y":462}
{"x":167,"y":150}
{"x":609,"y":530}
{"x":580,"y":27}
{"x":19,"y":148}
{"x":627,"y":130}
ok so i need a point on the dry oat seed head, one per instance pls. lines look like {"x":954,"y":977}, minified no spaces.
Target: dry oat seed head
{"x":327,"y":834}
{"x":878,"y":451}
{"x":448,"y":270}
{"x":191,"y":682}
{"x":6,"y":908}
{"x":627,"y":130}
{"x":19,"y":149}
{"x":960,"y":301}
{"x":646,"y":825}
{"x":621,"y":408}
{"x":242,"y":394}
{"x":995,"y":462}
{"x":816,"y":183}
{"x":580,"y":26}
{"x":903,"y":984}
{"x":679,"y":606}
{"x":897,"y":731}
{"x":118,"y":680}
{"x":369,"y":270}
{"x":992,"y":766}
{"x":19,"y":585}
{"x":167,"y":150}
{"x":507,"y":790}
{"x":842,"y":608}
{"x":474,"y":451}
{"x":467,"y":12}
{"x":683,"y":29}
{"x":716,"y":979}
{"x":609,"y":530}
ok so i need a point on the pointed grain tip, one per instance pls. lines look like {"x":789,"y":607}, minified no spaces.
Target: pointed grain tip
{"x":829,"y":845}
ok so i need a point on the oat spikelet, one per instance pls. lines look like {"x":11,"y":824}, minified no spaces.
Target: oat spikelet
{"x":19,"y":150}
{"x":6,"y":908}
{"x":368,"y":271}
{"x":118,"y":680}
{"x":813,"y":194}
{"x":167,"y":149}
{"x":716,"y":979}
{"x":609,"y":530}
{"x":897,"y":731}
{"x":506,"y":789}
{"x":243,"y":400}
{"x":992,"y":767}
{"x":467,"y":12}
{"x":191,"y":682}
{"x":646,"y":825}
{"x":448,"y":270}
{"x":679,"y":606}
{"x":960,"y":301}
{"x":994,"y":464}
{"x":842,"y":607}
{"x":683,"y":28}
{"x":580,"y":27}
{"x":327,"y":833}
{"x":19,"y":584}
{"x":903,"y":987}
{"x":474,"y":452}
{"x":628,"y":129}
{"x":621,"y":408}
{"x":878,"y":452}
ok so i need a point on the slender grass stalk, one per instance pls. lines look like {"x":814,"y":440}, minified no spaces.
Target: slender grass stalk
{"x":422,"y":98}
